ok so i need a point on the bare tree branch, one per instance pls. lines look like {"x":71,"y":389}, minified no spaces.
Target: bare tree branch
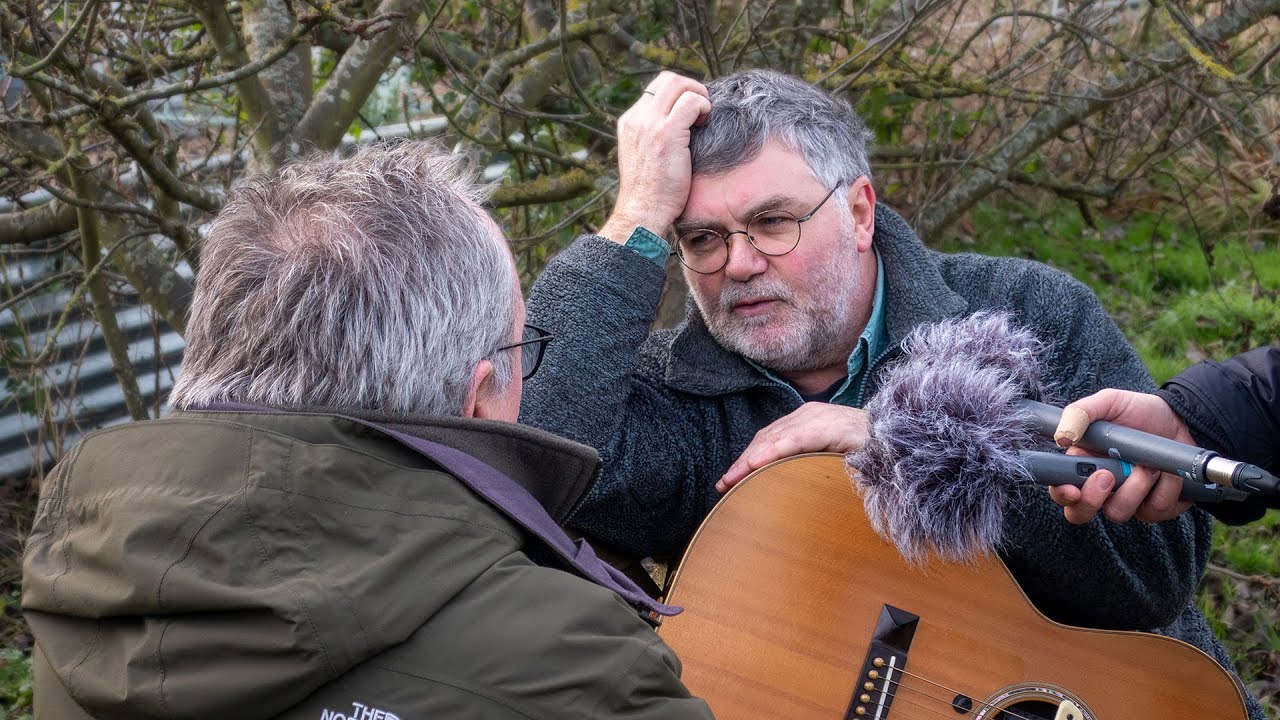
{"x":24,"y":227}
{"x":241,"y":76}
{"x":85,"y":12}
{"x":103,"y":307}
{"x":502,"y":65}
{"x":1050,"y":122}
{"x":340,"y":98}
{"x":572,"y":184}
{"x":234,"y":58}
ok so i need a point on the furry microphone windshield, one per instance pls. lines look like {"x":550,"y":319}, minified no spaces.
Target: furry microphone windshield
{"x":946,"y":433}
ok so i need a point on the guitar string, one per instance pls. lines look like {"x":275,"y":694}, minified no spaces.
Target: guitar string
{"x":979,"y":706}
{"x":899,"y":715}
{"x":977,"y":703}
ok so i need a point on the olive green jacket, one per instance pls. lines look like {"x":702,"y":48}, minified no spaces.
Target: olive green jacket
{"x":213,"y":565}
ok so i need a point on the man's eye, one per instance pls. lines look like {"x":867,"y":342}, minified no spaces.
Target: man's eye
{"x":700,"y":241}
{"x":771,"y":221}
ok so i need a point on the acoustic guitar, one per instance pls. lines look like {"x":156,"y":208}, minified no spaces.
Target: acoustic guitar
{"x":796,"y":608}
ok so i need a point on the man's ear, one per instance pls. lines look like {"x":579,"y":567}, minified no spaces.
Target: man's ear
{"x":862,"y":204}
{"x":479,"y":390}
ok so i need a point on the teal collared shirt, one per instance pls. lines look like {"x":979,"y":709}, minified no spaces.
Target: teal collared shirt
{"x":871,"y":344}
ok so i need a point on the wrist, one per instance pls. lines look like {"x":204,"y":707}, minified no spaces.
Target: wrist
{"x":619,"y":228}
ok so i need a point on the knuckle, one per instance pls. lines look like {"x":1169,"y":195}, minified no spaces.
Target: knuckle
{"x":1157,"y":503}
{"x":1116,"y":515}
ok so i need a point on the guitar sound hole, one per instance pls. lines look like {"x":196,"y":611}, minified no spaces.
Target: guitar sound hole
{"x":1028,"y":710}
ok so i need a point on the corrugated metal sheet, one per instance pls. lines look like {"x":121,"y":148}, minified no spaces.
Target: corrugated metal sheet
{"x":44,"y":411}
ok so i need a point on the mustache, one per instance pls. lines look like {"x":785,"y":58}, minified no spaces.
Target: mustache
{"x":734,"y":293}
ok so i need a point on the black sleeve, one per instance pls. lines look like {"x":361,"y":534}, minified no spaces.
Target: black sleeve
{"x":1233,"y":408}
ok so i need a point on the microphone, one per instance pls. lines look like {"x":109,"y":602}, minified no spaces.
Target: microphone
{"x":1191,"y":463}
{"x":947,"y":432}
{"x":1053,"y":468}
{"x":952,"y":437}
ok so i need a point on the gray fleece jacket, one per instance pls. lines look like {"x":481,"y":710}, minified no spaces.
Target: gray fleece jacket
{"x":670,"y":410}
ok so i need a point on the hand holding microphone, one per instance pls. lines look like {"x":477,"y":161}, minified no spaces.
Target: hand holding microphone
{"x":1150,"y":495}
{"x":1166,"y":452}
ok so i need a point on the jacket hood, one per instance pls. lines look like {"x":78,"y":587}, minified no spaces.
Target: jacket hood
{"x":204,"y":565}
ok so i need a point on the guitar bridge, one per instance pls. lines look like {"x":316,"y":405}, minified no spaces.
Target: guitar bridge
{"x":883,"y":665}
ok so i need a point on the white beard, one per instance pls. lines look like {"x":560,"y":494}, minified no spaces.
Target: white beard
{"x":806,"y":332}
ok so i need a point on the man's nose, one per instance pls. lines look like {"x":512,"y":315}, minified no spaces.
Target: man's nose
{"x":745,"y":261}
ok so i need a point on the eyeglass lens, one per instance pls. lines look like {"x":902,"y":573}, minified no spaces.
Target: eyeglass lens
{"x":530,"y":354}
{"x":534,"y":344}
{"x":776,"y":232}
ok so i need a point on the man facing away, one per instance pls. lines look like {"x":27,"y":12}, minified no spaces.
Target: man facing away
{"x":303,"y":538}
{"x":803,"y":287}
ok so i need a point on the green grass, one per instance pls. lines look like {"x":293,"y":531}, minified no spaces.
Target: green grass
{"x":1177,"y":299}
{"x":15,"y":683}
{"x":1241,"y":598}
{"x":15,"y":639}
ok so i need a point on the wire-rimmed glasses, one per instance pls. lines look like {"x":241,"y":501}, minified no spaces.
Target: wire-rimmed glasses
{"x":772,"y":232}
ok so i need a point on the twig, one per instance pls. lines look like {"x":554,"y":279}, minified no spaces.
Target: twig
{"x":573,"y":80}
{"x":36,"y":288}
{"x":365,"y":29}
{"x":568,"y":220}
{"x":184,"y":86}
{"x":1270,"y":583}
{"x":52,"y":55}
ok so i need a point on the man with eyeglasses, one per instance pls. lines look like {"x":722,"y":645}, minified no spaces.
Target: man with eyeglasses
{"x":341,"y":518}
{"x":802,"y":287}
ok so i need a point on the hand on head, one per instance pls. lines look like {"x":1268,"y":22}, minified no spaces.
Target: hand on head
{"x":654,"y":165}
{"x":1149,"y":495}
{"x":813,"y":427}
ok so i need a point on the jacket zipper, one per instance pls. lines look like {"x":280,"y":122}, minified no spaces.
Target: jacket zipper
{"x":862,"y":390}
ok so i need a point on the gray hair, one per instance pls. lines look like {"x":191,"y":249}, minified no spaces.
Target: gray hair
{"x":372,"y":282}
{"x":753,"y":107}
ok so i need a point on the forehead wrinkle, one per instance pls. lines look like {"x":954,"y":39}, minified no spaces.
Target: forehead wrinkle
{"x":778,"y":200}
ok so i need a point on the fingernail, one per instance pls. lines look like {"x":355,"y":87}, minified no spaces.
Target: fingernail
{"x":1065,"y":438}
{"x":1105,"y":481}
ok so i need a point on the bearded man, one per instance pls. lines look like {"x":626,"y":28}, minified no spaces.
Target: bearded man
{"x":803,"y":288}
